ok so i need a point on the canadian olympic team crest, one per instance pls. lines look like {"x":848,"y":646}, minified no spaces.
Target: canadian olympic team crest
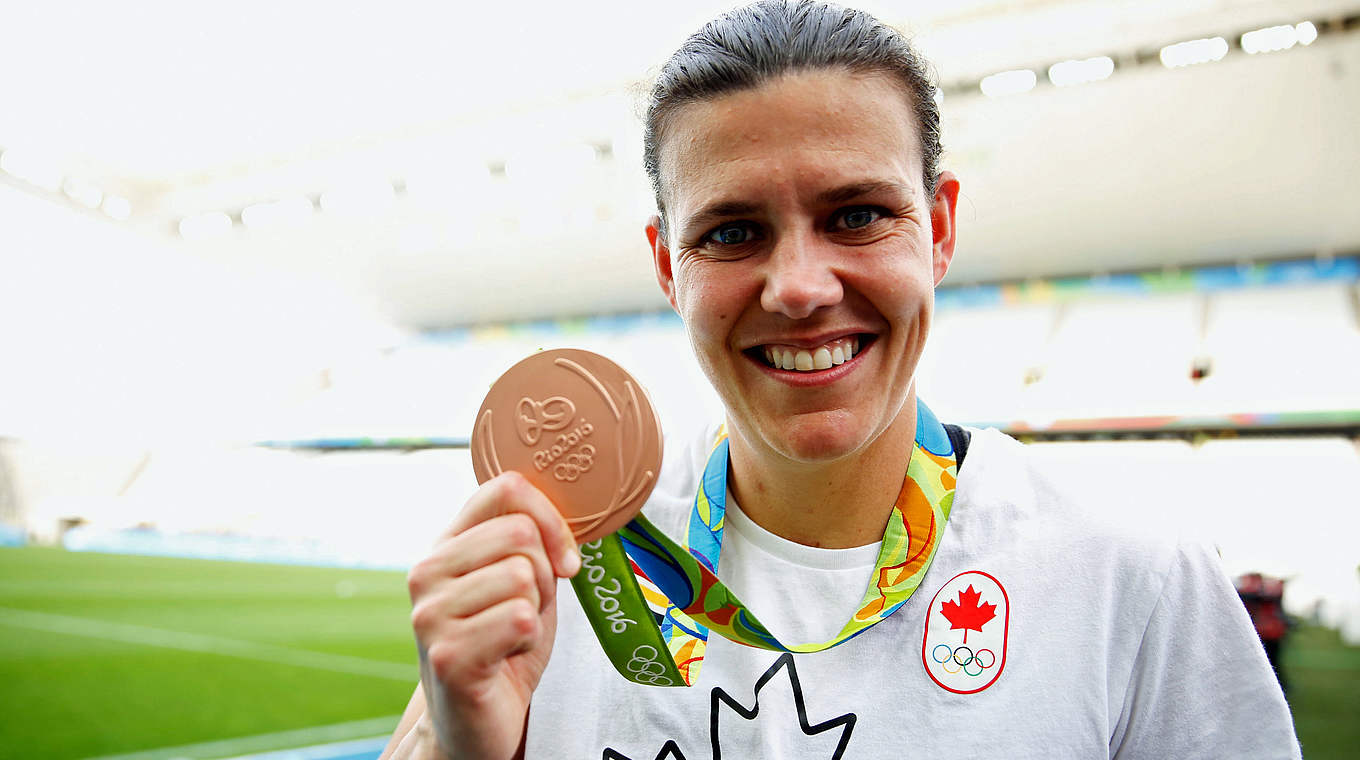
{"x":964,"y":647}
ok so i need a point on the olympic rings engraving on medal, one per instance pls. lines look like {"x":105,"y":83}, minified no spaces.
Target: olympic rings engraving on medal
{"x":533,"y":418}
{"x":962,"y":658}
{"x":571,"y":467}
{"x":645,"y":667}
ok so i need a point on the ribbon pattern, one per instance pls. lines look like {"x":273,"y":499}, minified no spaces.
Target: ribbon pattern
{"x":652,"y":602}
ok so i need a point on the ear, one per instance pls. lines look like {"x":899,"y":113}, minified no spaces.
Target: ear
{"x":942,"y":222}
{"x":661,"y":259}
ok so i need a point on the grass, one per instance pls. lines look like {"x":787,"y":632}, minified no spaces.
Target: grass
{"x":1324,"y":693}
{"x":72,"y":696}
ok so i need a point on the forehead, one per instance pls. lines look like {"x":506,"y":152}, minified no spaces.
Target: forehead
{"x":809,"y":128}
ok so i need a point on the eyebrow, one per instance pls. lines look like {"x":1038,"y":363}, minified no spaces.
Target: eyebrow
{"x":860,"y":189}
{"x":719,"y":210}
{"x":726,"y":209}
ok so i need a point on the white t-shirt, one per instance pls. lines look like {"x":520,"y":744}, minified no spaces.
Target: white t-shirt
{"x":1044,"y":629}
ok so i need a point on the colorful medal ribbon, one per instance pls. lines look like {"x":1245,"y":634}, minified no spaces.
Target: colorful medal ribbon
{"x":652,"y":602}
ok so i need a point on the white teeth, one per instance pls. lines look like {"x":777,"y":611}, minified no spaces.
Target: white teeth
{"x":809,"y":359}
{"x":826,"y":356}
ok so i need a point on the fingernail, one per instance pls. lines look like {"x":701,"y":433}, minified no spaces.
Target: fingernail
{"x":571,"y":561}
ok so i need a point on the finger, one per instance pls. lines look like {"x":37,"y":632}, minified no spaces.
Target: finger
{"x":512,"y":492}
{"x":482,"y":545}
{"x":475,"y":646}
{"x":510,"y":578}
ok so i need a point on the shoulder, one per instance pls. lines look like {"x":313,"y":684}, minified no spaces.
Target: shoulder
{"x":1074,"y":537}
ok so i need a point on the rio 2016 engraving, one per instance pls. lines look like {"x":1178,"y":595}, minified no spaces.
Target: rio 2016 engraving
{"x":605,"y":595}
{"x":532,"y":418}
{"x":562,"y":445}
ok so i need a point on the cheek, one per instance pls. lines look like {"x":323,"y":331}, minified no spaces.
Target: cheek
{"x":709,"y":300}
{"x":898,"y":293}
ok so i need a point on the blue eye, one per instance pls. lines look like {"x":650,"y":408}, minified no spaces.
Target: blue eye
{"x":731,"y":234}
{"x":859,"y":217}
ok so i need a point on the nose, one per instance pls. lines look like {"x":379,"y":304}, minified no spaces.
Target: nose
{"x":800,"y":278}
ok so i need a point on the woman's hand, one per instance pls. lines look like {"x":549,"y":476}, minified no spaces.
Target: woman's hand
{"x":484,"y":612}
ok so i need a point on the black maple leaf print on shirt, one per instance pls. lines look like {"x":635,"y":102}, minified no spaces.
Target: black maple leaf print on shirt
{"x":722,"y":704}
{"x":669,"y":751}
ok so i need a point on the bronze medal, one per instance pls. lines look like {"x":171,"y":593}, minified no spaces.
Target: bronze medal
{"x":581,"y":429}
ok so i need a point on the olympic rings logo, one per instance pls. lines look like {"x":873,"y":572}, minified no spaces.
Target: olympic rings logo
{"x":963,"y":658}
{"x":571,"y":467}
{"x":646,"y":669}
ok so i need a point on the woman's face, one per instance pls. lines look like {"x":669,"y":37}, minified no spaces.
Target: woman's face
{"x":802,"y":254}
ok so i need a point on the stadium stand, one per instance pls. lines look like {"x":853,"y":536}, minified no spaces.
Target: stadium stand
{"x":979,"y":360}
{"x":1290,"y":347}
{"x":1130,"y":356}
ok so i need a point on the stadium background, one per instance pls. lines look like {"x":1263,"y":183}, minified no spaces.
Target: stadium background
{"x":259,"y":263}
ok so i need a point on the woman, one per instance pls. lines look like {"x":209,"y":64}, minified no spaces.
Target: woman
{"x":803,"y":227}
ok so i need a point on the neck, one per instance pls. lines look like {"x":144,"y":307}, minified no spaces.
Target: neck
{"x":833,"y":505}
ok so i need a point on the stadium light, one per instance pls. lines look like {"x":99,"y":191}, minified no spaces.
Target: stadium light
{"x":32,"y":168}
{"x":82,"y":192}
{"x":1008,"y":83}
{"x":1068,"y":73}
{"x":1194,"y":52}
{"x":204,"y":226}
{"x":1270,"y":39}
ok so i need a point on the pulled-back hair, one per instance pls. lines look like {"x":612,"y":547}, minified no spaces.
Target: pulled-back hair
{"x":749,"y":46}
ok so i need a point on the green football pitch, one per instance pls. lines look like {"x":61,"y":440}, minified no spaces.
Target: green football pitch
{"x":105,"y":654}
{"x":109,"y":654}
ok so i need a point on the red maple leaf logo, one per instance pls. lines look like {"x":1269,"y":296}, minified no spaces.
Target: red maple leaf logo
{"x":967,"y":613}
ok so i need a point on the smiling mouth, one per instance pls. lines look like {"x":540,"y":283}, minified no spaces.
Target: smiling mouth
{"x":801,"y":359}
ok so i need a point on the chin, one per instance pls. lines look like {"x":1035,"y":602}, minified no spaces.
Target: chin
{"x":825,"y":438}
